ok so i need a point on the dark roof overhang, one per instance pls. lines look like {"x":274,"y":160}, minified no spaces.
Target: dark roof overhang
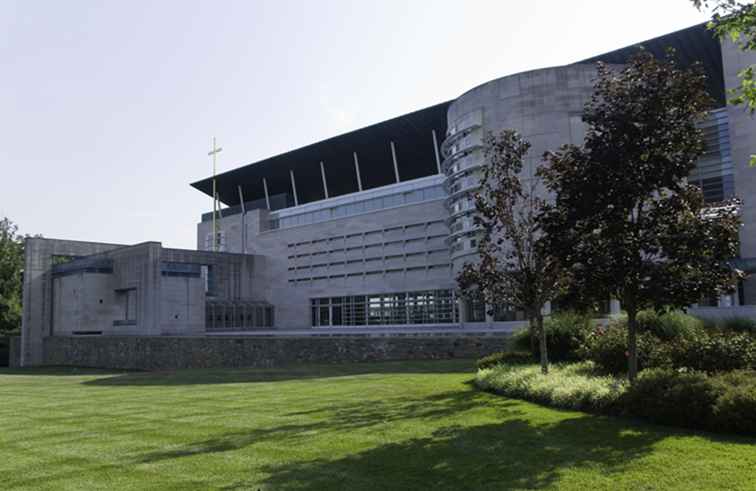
{"x":412,"y":137}
{"x":693,"y":44}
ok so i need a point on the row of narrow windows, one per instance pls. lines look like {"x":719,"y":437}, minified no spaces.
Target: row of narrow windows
{"x":369,"y":259}
{"x":446,"y":266}
{"x":374,"y":204}
{"x":418,"y":307}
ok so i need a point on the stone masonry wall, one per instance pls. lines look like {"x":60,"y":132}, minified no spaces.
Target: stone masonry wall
{"x":166,"y":353}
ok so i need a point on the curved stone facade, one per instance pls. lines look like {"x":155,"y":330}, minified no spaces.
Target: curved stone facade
{"x":544,"y":105}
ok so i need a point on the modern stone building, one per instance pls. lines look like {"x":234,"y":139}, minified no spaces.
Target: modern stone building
{"x":368,"y":228}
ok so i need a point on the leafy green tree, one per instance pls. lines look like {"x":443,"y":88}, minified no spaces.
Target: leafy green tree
{"x":514,"y":269}
{"x":11,"y":266}
{"x":737,"y":21}
{"x":624,"y":221}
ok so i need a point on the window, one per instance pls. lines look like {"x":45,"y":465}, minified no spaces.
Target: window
{"x":127,"y":300}
{"x":423,"y":307}
{"x":220,"y":241}
{"x":131,"y":305}
{"x":207,"y":273}
{"x":355,"y":208}
{"x":237,"y":315}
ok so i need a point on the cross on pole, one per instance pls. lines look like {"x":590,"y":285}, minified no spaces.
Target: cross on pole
{"x":216,"y":205}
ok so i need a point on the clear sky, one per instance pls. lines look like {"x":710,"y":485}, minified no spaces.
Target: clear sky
{"x":107,"y":108}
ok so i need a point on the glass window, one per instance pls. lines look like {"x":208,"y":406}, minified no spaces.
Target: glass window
{"x":325,"y":315}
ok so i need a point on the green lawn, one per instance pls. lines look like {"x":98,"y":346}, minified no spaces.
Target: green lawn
{"x":352,"y":427}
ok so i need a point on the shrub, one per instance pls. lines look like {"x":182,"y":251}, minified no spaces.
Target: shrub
{"x":721,"y":402}
{"x":735,"y":409}
{"x":606,"y":346}
{"x":691,"y":347}
{"x":671,"y":397}
{"x":713,"y":352}
{"x":739,"y":324}
{"x":565,"y":333}
{"x":669,"y":325}
{"x":571,"y":386}
{"x":508,"y":357}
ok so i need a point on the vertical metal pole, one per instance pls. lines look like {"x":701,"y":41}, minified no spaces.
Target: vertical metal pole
{"x":322,"y":174}
{"x":435,"y":148}
{"x":216,"y":203}
{"x":267,"y":197}
{"x":294,"y":188}
{"x":243,"y":221}
{"x":396,"y":166}
{"x":241,"y":199}
{"x":357,"y":168}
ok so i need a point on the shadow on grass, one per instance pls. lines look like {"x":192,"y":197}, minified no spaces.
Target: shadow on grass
{"x":515,"y":452}
{"x":60,"y":371}
{"x":512,"y":454}
{"x":292,"y":372}
{"x":344,"y":418}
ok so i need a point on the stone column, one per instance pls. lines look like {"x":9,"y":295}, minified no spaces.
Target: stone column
{"x":546,"y":310}
{"x":462,"y":306}
{"x":489,"y":316}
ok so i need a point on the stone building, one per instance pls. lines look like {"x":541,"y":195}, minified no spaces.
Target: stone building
{"x":369,"y":228}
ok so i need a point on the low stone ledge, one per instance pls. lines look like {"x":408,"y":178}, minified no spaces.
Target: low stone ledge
{"x":167,"y":353}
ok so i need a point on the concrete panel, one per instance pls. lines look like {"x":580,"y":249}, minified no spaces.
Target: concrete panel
{"x":37,"y":295}
{"x":743,"y":145}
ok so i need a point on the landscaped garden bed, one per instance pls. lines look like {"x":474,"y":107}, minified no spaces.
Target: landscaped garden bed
{"x":693,"y":373}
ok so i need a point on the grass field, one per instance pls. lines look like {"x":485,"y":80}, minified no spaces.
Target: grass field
{"x":352,"y":427}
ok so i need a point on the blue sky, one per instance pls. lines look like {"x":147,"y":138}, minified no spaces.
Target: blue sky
{"x":107,"y":108}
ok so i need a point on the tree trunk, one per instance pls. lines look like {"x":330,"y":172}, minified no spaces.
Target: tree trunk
{"x":533,"y":336}
{"x":632,"y":345}
{"x":542,"y":342}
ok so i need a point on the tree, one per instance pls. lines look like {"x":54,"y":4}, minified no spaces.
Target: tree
{"x":737,"y":21}
{"x":11,"y":266}
{"x":625,"y":222}
{"x":514,"y":268}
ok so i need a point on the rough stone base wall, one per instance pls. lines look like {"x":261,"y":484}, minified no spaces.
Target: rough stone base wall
{"x":14,"y":352}
{"x":165,"y":353}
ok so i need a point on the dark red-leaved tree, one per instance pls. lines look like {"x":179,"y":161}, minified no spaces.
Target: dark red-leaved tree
{"x":514,"y":268}
{"x":625,"y":223}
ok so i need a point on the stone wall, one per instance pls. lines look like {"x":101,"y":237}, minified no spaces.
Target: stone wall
{"x":165,"y":353}
{"x":14,"y":352}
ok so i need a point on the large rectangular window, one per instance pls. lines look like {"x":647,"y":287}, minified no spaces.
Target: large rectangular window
{"x":421,"y":307}
{"x":237,"y":315}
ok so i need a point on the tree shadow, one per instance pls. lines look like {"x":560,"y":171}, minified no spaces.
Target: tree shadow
{"x":345,"y":418}
{"x":513,"y":454}
{"x":516,"y":453}
{"x":292,"y":372}
{"x":61,"y":371}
